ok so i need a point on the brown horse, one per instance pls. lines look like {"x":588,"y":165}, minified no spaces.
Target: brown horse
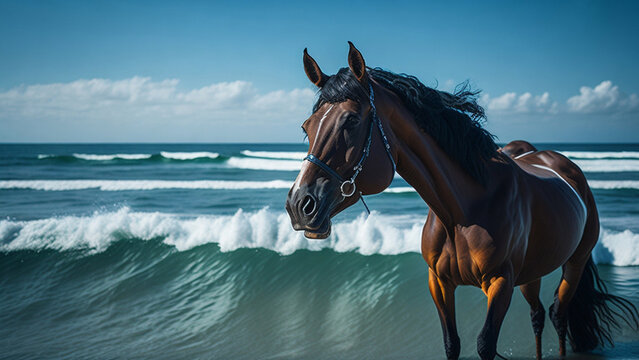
{"x":494,"y":222}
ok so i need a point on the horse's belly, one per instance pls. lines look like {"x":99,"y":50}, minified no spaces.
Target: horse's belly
{"x":549,"y":248}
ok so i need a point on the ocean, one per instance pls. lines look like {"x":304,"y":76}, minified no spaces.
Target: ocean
{"x":164,"y":251}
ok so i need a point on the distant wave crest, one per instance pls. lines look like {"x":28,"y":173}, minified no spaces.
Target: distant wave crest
{"x":111,"y":157}
{"x":99,"y":157}
{"x":189,"y":155}
{"x":375,"y":234}
{"x":588,"y":161}
{"x":601,"y":154}
{"x":293,"y":155}
{"x":606,"y":165}
{"x":273,"y":161}
{"x":264,"y":164}
{"x":124,"y":185}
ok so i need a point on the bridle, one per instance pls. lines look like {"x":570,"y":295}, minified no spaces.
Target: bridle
{"x":345,"y":184}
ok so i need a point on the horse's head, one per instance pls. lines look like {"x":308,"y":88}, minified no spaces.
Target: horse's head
{"x":348,"y":154}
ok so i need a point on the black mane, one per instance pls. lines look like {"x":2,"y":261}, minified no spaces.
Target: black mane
{"x":453,"y":120}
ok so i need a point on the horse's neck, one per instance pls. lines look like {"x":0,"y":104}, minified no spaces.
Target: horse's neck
{"x":447,"y":189}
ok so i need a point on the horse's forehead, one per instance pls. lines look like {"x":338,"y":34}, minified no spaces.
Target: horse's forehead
{"x":332,"y":110}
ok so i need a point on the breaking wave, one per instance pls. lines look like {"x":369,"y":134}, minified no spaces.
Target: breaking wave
{"x":293,"y":155}
{"x":601,"y":154}
{"x":112,"y":157}
{"x":97,"y":157}
{"x":603,"y":165}
{"x":189,"y":155}
{"x":273,"y":161}
{"x":375,"y":234}
{"x":123,"y":185}
{"x":264,"y":164}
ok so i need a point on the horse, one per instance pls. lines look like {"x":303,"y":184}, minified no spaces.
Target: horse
{"x":494,"y":221}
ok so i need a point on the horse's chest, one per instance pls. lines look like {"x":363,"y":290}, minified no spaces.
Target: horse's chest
{"x":466,"y":254}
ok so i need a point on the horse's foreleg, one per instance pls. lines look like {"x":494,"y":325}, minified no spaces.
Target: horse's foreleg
{"x":444,"y":297}
{"x":499,"y":290}
{"x":537,"y":312}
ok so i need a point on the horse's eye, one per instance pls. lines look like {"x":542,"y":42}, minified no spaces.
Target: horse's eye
{"x":351,"y":121}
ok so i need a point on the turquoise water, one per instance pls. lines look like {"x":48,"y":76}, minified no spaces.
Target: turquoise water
{"x":185,"y":251}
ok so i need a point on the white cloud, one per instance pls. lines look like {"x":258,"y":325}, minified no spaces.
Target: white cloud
{"x":141,"y":98}
{"x":140,"y":109}
{"x":510,"y":102}
{"x":604,"y":97}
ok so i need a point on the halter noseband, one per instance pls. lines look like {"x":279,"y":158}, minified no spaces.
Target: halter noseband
{"x":358,"y":168}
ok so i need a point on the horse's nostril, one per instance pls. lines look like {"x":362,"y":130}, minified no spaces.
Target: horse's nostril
{"x":308,"y":205}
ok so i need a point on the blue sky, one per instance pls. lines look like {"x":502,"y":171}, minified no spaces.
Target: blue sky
{"x":212,"y":72}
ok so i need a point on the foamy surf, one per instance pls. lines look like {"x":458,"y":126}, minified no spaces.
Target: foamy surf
{"x":601,"y":154}
{"x":601,"y":165}
{"x":375,"y":234}
{"x":189,"y":155}
{"x":293,"y":155}
{"x":127,"y":185}
{"x":367,"y":235}
{"x":99,"y":157}
{"x":111,"y":157}
{"x":264,"y":164}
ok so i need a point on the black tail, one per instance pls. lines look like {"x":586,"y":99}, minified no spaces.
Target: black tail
{"x":593,"y":313}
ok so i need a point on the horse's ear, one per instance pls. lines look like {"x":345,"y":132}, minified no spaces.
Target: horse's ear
{"x":356,"y":62}
{"x":313,"y":71}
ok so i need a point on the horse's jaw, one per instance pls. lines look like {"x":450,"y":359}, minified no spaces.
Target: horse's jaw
{"x":321,"y":233}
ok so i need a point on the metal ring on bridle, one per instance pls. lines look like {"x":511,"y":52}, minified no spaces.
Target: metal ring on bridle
{"x":348,"y":182}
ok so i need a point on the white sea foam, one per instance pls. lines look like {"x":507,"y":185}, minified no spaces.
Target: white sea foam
{"x":594,"y":184}
{"x":617,"y":248}
{"x":189,"y":155}
{"x":164,"y":154}
{"x":121,"y":185}
{"x":375,"y":234}
{"x":264,"y":164}
{"x":614,"y":184}
{"x":124,"y":185}
{"x":294,"y":155}
{"x":100,"y":157}
{"x":588,"y":165}
{"x":600,"y":165}
{"x":400,"y":190}
{"x":263,"y":229}
{"x":601,"y":154}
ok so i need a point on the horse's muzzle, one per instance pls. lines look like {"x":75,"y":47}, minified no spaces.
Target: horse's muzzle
{"x":309,"y":212}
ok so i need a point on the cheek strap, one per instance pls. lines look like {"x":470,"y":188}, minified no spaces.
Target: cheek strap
{"x":347,"y":187}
